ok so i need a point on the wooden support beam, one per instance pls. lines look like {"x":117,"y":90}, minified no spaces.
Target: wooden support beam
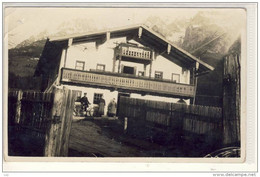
{"x":114,"y":62}
{"x":192,"y":82}
{"x":145,"y":66}
{"x":108,"y":36}
{"x":70,"y":42}
{"x":140,"y":30}
{"x":119,"y":63}
{"x":195,"y":80}
{"x":197,"y":66}
{"x":169,"y":48}
{"x":195,"y":89}
{"x":153,"y":55}
{"x":151,"y":64}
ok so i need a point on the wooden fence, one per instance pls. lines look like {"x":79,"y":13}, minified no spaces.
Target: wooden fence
{"x":39,"y":123}
{"x":173,"y":118}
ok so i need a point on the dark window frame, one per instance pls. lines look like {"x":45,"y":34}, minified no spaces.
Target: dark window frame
{"x":97,"y":97}
{"x":125,"y":66}
{"x":158,"y":72}
{"x":104,"y":66}
{"x":82,"y":62}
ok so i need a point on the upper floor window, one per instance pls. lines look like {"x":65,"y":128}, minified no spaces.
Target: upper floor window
{"x":80,"y":65}
{"x":158,"y":75}
{"x":101,"y":67}
{"x":176,"y":78}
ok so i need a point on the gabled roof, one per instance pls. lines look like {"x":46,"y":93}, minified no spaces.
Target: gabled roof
{"x":147,"y":38}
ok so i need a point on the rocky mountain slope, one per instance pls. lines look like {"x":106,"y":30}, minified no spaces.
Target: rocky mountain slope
{"x":202,"y":35}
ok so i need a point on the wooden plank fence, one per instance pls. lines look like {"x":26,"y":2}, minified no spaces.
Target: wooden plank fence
{"x":39,"y":123}
{"x":172,"y":117}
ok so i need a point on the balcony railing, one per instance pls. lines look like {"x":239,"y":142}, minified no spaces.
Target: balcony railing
{"x":127,"y":50}
{"x":136,"y":52}
{"x":133,"y":84}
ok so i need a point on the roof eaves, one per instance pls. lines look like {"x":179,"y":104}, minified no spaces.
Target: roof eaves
{"x":96,"y":32}
{"x":133,"y":27}
{"x":178,"y":48}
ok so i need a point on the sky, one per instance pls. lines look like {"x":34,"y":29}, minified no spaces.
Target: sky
{"x":22,"y":23}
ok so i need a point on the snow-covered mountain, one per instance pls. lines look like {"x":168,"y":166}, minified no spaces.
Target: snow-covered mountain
{"x":188,"y":33}
{"x":79,"y":25}
{"x":202,"y":33}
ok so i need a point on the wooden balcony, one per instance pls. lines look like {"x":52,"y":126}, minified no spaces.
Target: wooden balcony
{"x":124,"y":82}
{"x":129,"y":52}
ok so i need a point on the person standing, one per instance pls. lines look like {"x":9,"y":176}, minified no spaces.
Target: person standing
{"x":101,"y":107}
{"x":111,"y":112}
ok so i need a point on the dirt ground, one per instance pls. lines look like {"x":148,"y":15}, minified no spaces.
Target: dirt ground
{"x":101,"y":138}
{"x":106,"y":138}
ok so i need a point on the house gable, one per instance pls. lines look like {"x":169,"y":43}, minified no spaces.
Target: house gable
{"x":87,"y":56}
{"x":81,"y":57}
{"x":146,"y":37}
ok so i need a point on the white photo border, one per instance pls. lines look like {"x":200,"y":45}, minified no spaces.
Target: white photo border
{"x":249,"y":82}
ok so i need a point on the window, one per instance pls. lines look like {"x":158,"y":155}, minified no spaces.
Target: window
{"x":129,"y":70}
{"x":141,"y":73}
{"x":158,"y":75}
{"x":80,"y":65}
{"x":97,"y":97}
{"x":101,"y":67}
{"x":176,"y":78}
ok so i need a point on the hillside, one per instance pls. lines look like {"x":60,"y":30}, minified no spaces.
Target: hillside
{"x":31,"y":49}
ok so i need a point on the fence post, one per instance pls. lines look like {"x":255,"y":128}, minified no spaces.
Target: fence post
{"x":52,"y":131}
{"x":57,"y":135}
{"x":18,"y":107}
{"x":66,"y":123}
{"x":125,"y":125}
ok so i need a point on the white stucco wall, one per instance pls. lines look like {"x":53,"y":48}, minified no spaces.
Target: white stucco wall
{"x":109,"y":95}
{"x":88,"y":53}
{"x":168,"y":68}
